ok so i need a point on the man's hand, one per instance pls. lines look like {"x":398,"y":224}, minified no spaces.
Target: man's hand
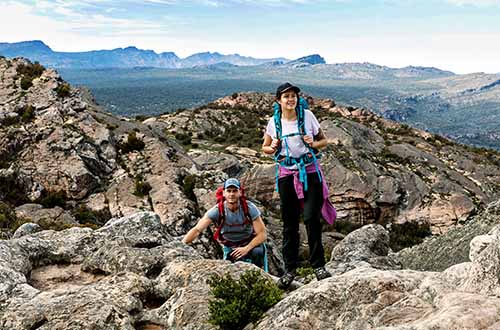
{"x":239,"y":252}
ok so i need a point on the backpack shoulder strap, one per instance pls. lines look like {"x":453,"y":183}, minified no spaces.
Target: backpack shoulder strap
{"x":222,"y":214}
{"x":244,"y":206}
{"x":301,"y":110}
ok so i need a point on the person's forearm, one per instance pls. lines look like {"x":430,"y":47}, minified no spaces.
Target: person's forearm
{"x":319,"y":144}
{"x":191,"y":235}
{"x":257,"y":240}
{"x":268,"y":150}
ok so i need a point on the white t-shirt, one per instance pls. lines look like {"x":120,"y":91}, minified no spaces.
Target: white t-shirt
{"x":296,"y":147}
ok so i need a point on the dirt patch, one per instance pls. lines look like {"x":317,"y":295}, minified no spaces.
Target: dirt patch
{"x":65,"y":276}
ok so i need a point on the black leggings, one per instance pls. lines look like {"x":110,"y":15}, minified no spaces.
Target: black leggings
{"x":290,"y":214}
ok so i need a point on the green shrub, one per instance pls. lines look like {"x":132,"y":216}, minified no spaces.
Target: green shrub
{"x":11,"y":191}
{"x":407,"y":234}
{"x":111,"y":127}
{"x":26,"y":82}
{"x":8,"y":219}
{"x":133,"y":143}
{"x":306,"y":273}
{"x":63,"y":90}
{"x":53,"y":198}
{"x":89,"y":218}
{"x":27,"y":113}
{"x":49,"y":224}
{"x":185,"y":139}
{"x":239,"y":302}
{"x":141,"y":118}
{"x":34,"y":70}
{"x":142,"y":188}
{"x":29,"y":72}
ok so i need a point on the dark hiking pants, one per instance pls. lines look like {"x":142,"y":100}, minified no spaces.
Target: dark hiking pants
{"x":290,"y":214}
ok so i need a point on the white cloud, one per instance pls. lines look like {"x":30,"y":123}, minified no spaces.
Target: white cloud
{"x":476,"y":3}
{"x":75,"y":31}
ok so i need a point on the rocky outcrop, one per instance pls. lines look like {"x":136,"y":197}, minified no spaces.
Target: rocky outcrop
{"x":132,"y":273}
{"x":365,"y":296}
{"x":440,"y":252}
{"x":126,"y":275}
{"x":59,"y":149}
{"x":367,"y":246}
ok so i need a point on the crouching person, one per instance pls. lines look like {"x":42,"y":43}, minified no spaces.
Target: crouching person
{"x":240,"y":228}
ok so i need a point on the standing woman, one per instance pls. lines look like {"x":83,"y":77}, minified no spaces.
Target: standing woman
{"x":293,"y":136}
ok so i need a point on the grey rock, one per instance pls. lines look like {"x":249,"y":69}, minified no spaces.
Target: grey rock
{"x":26,"y":229}
{"x":367,"y":246}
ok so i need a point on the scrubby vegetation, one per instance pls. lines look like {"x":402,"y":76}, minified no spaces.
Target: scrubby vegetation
{"x":25,"y":115}
{"x":89,"y":218}
{"x":133,"y":143}
{"x":63,"y":90}
{"x":239,"y":302}
{"x":11,"y":192}
{"x":142,"y":187}
{"x":407,"y":234}
{"x":29,"y":72}
{"x":305,"y":273}
{"x":52,"y":199}
{"x":9,"y":222}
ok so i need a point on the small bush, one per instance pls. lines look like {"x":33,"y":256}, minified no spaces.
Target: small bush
{"x":89,"y":218}
{"x":54,"y":198}
{"x":26,"y":83}
{"x":185,"y":139}
{"x":142,"y":188}
{"x":306,"y":273}
{"x":63,"y":90}
{"x":133,"y":144}
{"x":141,"y":118}
{"x":111,"y":127}
{"x":239,"y":302}
{"x":34,"y":70}
{"x":29,"y":72}
{"x":8,"y":219}
{"x":49,"y":224}
{"x":27,"y":114}
{"x":11,"y":191}
{"x":407,"y":234}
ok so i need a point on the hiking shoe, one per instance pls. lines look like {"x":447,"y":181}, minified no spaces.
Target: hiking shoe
{"x":321,"y":273}
{"x":285,"y":280}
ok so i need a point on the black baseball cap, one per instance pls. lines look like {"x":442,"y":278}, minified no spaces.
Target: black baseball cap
{"x":286,"y":87}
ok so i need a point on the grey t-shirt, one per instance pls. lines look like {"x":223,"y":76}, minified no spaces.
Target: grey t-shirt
{"x":229,"y":231}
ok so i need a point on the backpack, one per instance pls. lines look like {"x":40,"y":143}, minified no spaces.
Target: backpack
{"x":310,"y":157}
{"x":219,"y":195}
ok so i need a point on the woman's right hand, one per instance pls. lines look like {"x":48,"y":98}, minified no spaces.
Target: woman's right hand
{"x":275,"y":143}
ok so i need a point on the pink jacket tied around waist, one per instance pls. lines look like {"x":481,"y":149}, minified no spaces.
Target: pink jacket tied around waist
{"x":327,"y":210}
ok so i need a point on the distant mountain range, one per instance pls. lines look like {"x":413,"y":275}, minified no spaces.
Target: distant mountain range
{"x":131,"y":57}
{"x":132,"y":82}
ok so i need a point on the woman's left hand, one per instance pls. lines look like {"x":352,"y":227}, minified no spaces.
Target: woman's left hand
{"x":308,"y":139}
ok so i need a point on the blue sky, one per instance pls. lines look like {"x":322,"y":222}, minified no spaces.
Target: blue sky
{"x":458,"y":35}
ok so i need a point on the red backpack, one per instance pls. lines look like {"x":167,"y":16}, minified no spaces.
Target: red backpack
{"x":219,"y":194}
